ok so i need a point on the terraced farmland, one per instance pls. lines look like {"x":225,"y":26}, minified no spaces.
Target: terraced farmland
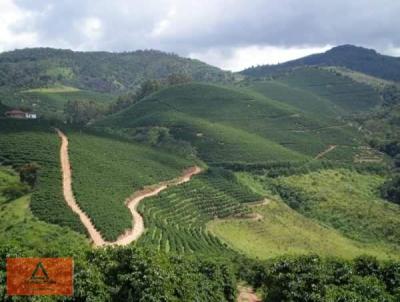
{"x":176,"y":218}
{"x":22,"y":142}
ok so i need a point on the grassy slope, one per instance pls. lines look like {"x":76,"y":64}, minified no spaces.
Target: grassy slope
{"x":107,"y":171}
{"x":282,"y":230}
{"x":50,"y":102}
{"x":349,"y":202}
{"x":18,"y":227}
{"x":232,"y":125}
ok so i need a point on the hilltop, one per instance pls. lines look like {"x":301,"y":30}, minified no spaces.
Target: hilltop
{"x":356,"y":58}
{"x":97,"y":71}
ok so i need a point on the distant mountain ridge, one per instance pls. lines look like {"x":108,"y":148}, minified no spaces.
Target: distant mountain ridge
{"x":359,"y":59}
{"x":97,"y":71}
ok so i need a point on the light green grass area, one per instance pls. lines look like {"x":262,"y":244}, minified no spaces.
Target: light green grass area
{"x":49,"y":102}
{"x":18,"y":227}
{"x":281,"y":230}
{"x":54,"y":89}
{"x":349,"y":202}
{"x":106,"y":172}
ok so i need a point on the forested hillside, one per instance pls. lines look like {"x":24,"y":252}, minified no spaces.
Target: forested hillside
{"x":360,"y":59}
{"x":97,"y":71}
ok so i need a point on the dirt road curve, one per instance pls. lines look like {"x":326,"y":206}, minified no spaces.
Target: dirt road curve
{"x":246,"y":295}
{"x":323,"y":153}
{"x":132,"y":202}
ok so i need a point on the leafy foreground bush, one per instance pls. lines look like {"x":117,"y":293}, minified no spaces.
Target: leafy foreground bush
{"x":310,"y":278}
{"x":132,"y":274}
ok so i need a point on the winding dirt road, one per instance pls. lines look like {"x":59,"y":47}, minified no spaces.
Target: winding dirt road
{"x":132,"y":202}
{"x":323,"y":153}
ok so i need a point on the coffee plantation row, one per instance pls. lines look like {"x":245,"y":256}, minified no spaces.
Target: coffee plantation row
{"x":23,"y":142}
{"x":107,"y":171}
{"x":176,"y":219}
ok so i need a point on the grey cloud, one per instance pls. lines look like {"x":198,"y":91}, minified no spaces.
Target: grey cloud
{"x":187,"y":26}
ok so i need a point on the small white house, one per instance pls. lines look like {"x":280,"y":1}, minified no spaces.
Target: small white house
{"x":30,"y":115}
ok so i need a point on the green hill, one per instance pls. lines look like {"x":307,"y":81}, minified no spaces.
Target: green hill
{"x":97,"y":71}
{"x":360,"y":59}
{"x":319,"y":91}
{"x":233,"y":125}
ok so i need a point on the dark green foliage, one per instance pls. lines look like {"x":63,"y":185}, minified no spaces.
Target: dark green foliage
{"x":28,"y":174}
{"x":214,"y":194}
{"x":146,"y":88}
{"x":3,"y":108}
{"x":135,"y":274}
{"x":391,"y":95}
{"x":310,"y":278}
{"x":82,"y":112}
{"x":390,"y":190}
{"x":391,"y":148}
{"x":23,"y":142}
{"x":366,"y":266}
{"x":97,"y":71}
{"x":356,"y":58}
{"x":293,"y":197}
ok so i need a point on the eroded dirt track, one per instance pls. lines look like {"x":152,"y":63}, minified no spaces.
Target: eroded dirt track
{"x":323,"y":153}
{"x":137,"y":230}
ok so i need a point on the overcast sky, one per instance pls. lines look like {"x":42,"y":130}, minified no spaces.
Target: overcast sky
{"x":231,"y":34}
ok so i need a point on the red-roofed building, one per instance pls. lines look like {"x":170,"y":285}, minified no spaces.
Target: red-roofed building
{"x":20,"y":114}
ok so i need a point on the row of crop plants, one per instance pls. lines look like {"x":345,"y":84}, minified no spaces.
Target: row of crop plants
{"x":107,"y":171}
{"x":176,"y":219}
{"x":24,"y":142}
